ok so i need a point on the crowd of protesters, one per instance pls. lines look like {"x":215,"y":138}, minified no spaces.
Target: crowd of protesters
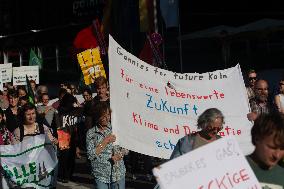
{"x":75,"y":126}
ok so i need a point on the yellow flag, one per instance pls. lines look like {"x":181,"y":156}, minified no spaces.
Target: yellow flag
{"x":91,"y":65}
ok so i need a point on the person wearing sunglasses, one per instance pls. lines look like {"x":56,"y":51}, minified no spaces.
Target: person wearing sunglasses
{"x":279,"y":98}
{"x":252,"y":77}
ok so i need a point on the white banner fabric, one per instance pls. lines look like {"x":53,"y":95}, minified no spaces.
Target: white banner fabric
{"x":31,"y":163}
{"x":219,"y":164}
{"x":19,"y":74}
{"x":152,"y":108}
{"x":6,"y":72}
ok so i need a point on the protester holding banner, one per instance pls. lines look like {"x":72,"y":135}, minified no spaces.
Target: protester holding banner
{"x":268,"y":137}
{"x":5,"y":134}
{"x":29,"y":127}
{"x":210,"y":122}
{"x":106,"y":159}
{"x":68,"y":121}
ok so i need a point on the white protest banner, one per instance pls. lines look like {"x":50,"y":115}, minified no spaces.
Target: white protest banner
{"x":30,"y":163}
{"x":6,"y":72}
{"x":219,"y":164}
{"x":19,"y":74}
{"x":152,"y":108}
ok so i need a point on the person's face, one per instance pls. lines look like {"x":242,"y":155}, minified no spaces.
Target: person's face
{"x":252,"y":78}
{"x":30,"y":117}
{"x":102,"y":91}
{"x":62,"y":85}
{"x":22,"y":102}
{"x":33,"y":85}
{"x":267,"y":152}
{"x":13,"y":101}
{"x":104,"y":119}
{"x":87,"y":96}
{"x":45,"y":100}
{"x":22,"y":93}
{"x":214,"y":127}
{"x":69,"y":91}
{"x":261,"y":91}
{"x":43,"y":90}
{"x":72,"y":88}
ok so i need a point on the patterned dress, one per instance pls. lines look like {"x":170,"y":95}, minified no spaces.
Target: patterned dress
{"x":102,"y":167}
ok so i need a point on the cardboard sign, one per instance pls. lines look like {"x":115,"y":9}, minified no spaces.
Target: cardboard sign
{"x":19,"y":74}
{"x":6,"y":72}
{"x":152,"y":108}
{"x":91,"y":65}
{"x":219,"y":164}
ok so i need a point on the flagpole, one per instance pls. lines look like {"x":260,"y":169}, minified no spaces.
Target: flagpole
{"x":179,"y":40}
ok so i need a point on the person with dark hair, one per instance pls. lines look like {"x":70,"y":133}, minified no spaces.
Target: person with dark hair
{"x":268,"y":138}
{"x":61,"y":93}
{"x":29,"y":127}
{"x":21,"y":90}
{"x":5,"y":135}
{"x":68,"y":121}
{"x":33,"y":86}
{"x":87,"y":94}
{"x":23,"y":100}
{"x":106,"y":159}
{"x":252,"y":77}
{"x":88,"y":100}
{"x":73,"y":89}
{"x":11,"y":112}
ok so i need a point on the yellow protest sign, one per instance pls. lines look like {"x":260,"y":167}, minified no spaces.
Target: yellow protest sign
{"x":91,"y":65}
